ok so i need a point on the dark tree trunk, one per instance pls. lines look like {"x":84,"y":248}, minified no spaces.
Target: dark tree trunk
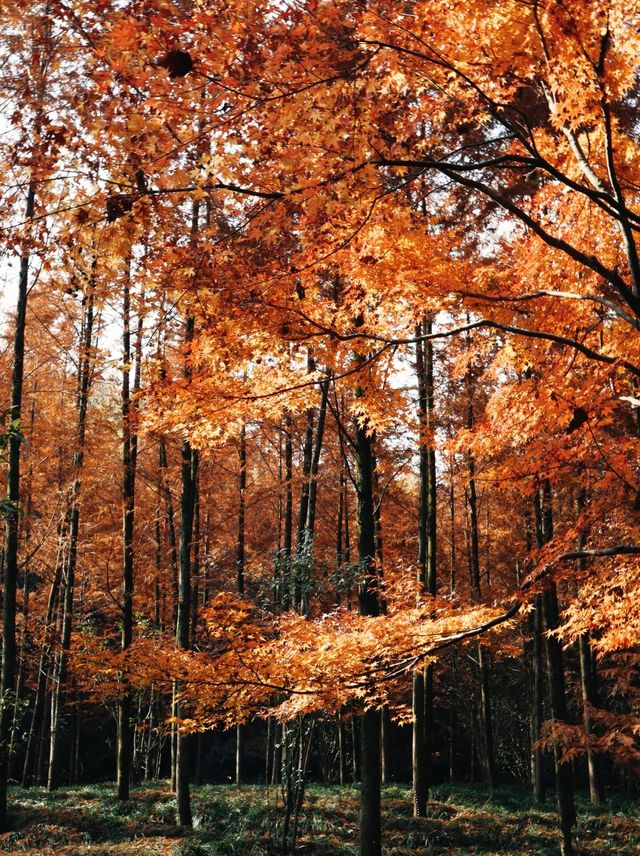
{"x":171,"y":527}
{"x":305,"y":547}
{"x":588,"y":685}
{"x":422,"y":695}
{"x":342,"y":767}
{"x":589,"y":699}
{"x":43,"y":666}
{"x":539,"y":787}
{"x":555,"y":673}
{"x":183,"y":622}
{"x":538,"y":780}
{"x":315,"y":463}
{"x":486,"y":724}
{"x":8,"y":673}
{"x":285,"y":593}
{"x":240,"y":564}
{"x":129,"y":459}
{"x":370,"y":817}
{"x":452,"y":527}
{"x":85,"y":375}
{"x":242,"y":486}
{"x":196,"y":588}
{"x":370,"y":821}
{"x":303,"y":506}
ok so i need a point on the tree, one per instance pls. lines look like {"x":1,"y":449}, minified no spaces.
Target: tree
{"x":358,"y":183}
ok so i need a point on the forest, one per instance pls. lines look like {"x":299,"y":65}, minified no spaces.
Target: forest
{"x":320,"y":438}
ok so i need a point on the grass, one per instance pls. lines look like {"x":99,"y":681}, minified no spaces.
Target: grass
{"x":229,"y":821}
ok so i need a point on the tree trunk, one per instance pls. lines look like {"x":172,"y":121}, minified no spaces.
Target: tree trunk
{"x":129,"y":459}
{"x":588,"y":685}
{"x":8,"y":674}
{"x":539,"y":788}
{"x":196,"y":587}
{"x":240,"y":563}
{"x":242,"y":486}
{"x":285,"y":595}
{"x":315,"y":461}
{"x":85,"y":375}
{"x":45,"y":652}
{"x":422,"y":695}
{"x":486,"y":724}
{"x":303,"y":506}
{"x":171,"y":526}
{"x":386,"y":754}
{"x":555,"y":673}
{"x":183,"y":796}
{"x":341,"y":750}
{"x":370,"y":821}
{"x":189,"y":479}
{"x":452,"y":526}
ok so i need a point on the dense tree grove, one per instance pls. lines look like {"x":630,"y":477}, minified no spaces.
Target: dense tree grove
{"x":320,"y":363}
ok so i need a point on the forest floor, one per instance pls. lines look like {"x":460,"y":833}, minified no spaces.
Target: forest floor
{"x":228,"y":821}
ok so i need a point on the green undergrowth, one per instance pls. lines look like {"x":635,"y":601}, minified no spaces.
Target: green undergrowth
{"x":231,"y":821}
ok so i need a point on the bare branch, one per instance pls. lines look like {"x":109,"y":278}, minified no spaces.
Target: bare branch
{"x":564,"y":295}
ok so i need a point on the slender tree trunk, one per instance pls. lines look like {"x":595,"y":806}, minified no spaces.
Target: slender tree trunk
{"x":42,"y":760}
{"x":588,"y":686}
{"x":370,"y":820}
{"x":539,"y":787}
{"x":377,"y":516}
{"x":452,"y":527}
{"x":304,"y":551}
{"x":311,"y":501}
{"x":129,"y":460}
{"x":8,"y":673}
{"x":589,"y":699}
{"x":183,"y":796}
{"x":171,"y":527}
{"x":285,"y":596}
{"x":299,"y":570}
{"x":240,"y":565}
{"x":196,"y":592}
{"x":486,"y":723}
{"x":420,"y":762}
{"x":555,"y":672}
{"x":341,"y":750}
{"x":315,"y":459}
{"x":269,"y":755}
{"x":85,"y":375}
{"x":74,"y":771}
{"x":307,"y":456}
{"x":537,"y":676}
{"x":26,"y":629}
{"x":453,"y":724}
{"x":242,"y":486}
{"x":422,"y":695}
{"x":183,"y":618}
{"x":148,"y":746}
{"x":339,"y":539}
{"x":157,"y":532}
{"x":386,"y":746}
{"x":346,"y":536}
{"x":45,"y":655}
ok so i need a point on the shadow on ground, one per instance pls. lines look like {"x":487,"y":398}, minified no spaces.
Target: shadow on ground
{"x":245,"y":822}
